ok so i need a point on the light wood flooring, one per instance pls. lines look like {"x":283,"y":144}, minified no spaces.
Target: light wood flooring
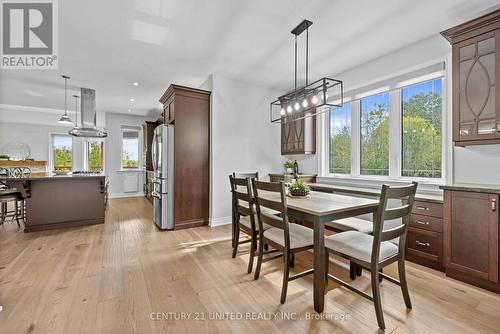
{"x":126,"y":276}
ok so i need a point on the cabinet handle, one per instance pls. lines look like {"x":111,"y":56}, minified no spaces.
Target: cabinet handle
{"x":422,"y":208}
{"x":493,"y":204}
{"x":420,"y":243}
{"x":422,"y":223}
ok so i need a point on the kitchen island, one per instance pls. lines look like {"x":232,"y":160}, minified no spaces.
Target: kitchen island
{"x":57,"y":201}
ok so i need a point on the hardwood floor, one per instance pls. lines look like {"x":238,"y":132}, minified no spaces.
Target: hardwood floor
{"x":126,"y":276}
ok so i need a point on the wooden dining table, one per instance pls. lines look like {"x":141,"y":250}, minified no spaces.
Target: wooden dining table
{"x":320,"y":208}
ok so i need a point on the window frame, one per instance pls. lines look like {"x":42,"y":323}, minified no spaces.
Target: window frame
{"x":139,"y":148}
{"x":395,"y":134}
{"x":51,"y":149}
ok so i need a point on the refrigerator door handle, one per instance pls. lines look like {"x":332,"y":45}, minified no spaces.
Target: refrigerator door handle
{"x":156,"y":195}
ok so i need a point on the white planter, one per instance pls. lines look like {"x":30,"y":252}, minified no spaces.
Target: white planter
{"x":289,"y":170}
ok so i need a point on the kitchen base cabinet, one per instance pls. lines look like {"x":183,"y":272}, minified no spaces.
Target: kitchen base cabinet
{"x":424,"y":242}
{"x":471,"y":247}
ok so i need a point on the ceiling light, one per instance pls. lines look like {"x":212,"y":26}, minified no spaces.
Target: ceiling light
{"x":313,"y":97}
{"x":65,"y":118}
{"x":282,"y":112}
{"x":132,"y":100}
{"x":135,"y":84}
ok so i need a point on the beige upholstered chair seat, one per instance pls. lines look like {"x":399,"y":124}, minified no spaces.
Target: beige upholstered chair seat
{"x":300,"y":236}
{"x":245,"y":221}
{"x":352,"y":224}
{"x":358,"y":245}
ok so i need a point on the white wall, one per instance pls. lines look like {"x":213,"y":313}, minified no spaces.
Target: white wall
{"x":242,"y":138}
{"x":114,"y":123}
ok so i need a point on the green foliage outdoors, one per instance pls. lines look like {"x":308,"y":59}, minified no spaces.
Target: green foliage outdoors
{"x":421,"y":140}
{"x":95,"y":156}
{"x":63,"y":158}
{"x":127,"y":161}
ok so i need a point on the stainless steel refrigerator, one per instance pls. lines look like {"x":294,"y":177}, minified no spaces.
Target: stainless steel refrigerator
{"x":162,"y":151}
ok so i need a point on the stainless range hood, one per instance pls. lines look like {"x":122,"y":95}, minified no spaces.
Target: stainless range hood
{"x":88,"y":114}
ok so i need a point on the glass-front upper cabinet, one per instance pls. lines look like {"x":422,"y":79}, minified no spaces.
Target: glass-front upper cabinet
{"x":477,"y":111}
{"x":475,"y":92}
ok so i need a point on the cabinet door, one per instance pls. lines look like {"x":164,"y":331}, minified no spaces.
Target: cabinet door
{"x":299,"y":135}
{"x":471,"y":234}
{"x":475,"y":66}
{"x":287,"y":137}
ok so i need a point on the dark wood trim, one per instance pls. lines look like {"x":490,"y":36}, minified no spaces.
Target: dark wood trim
{"x":482,"y":283}
{"x":178,"y":89}
{"x":472,"y":28}
{"x":190,"y":223}
{"x":43,"y":227}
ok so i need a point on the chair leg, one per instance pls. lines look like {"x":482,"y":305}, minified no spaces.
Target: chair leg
{"x":253,"y":247}
{"x":3,"y":212}
{"x":404,"y":285}
{"x":376,"y":298}
{"x":292,"y":260}
{"x":266,"y":247}
{"x":16,"y":212}
{"x":286,"y":269}
{"x":259,"y":258}
{"x":236,"y":239}
{"x":359,"y":270}
{"x":380,"y":278}
{"x":352,"y":270}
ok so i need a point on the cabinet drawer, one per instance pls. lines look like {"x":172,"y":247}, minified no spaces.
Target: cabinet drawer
{"x":428,"y":209}
{"x":426,"y":222}
{"x":427,"y":242}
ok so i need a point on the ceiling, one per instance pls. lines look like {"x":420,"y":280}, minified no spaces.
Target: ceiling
{"x":109,"y":45}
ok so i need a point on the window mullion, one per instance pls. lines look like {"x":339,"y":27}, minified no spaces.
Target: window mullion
{"x":355,"y":138}
{"x":395,"y":133}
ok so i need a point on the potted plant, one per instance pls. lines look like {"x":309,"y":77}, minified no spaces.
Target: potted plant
{"x":4,"y":157}
{"x":289,"y":166}
{"x":298,"y":188}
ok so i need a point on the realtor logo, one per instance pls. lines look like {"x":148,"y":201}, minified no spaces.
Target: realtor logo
{"x":29,"y":34}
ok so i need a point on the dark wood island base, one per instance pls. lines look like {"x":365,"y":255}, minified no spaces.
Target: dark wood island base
{"x":62,"y":201}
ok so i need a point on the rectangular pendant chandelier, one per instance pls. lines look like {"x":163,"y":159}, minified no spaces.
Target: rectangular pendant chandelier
{"x":311,"y":99}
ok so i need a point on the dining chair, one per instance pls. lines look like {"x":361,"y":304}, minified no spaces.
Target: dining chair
{"x":384,"y":247}
{"x":283,"y":236}
{"x":234,"y":241}
{"x":362,"y":223}
{"x":244,"y":212}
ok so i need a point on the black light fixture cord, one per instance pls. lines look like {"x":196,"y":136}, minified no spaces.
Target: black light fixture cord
{"x":65,"y":97}
{"x":295,"y":61}
{"x":307,"y":56}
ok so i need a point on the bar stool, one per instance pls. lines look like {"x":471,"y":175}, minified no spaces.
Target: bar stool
{"x":12,"y":195}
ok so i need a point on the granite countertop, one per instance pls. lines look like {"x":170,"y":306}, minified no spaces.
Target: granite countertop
{"x":370,"y":191}
{"x":52,"y":176}
{"x":473,"y":187}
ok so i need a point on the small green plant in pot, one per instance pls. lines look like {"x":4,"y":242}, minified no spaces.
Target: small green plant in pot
{"x":298,"y":188}
{"x":289,"y":164}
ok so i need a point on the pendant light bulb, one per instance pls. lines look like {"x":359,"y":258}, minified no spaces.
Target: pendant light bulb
{"x":314,"y":100}
{"x":305,"y":104}
{"x":289,"y":109}
{"x":282,"y":112}
{"x":296,"y":106}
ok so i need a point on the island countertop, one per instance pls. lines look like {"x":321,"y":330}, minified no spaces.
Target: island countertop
{"x":53,"y":176}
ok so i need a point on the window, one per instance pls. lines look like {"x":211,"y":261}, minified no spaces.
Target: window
{"x":391,"y":133}
{"x":375,"y":135}
{"x":340,"y":139}
{"x":130,"y":147}
{"x":421,"y":126}
{"x":95,"y":155}
{"x":62,"y":152}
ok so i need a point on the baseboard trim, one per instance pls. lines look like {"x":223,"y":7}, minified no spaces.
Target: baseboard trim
{"x":42,"y":227}
{"x":214,"y":222}
{"x":123,"y":195}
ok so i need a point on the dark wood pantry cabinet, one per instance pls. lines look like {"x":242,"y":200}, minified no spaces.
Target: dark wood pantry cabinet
{"x":191,"y":122}
{"x":476,"y":80}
